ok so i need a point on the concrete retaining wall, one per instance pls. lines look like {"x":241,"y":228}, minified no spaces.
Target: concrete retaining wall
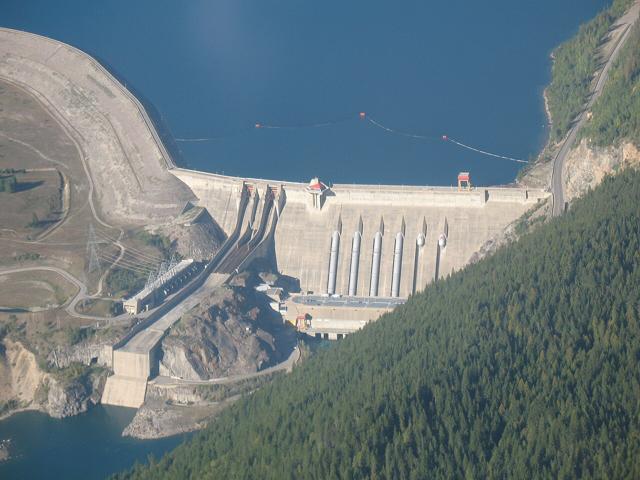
{"x":132,"y":364}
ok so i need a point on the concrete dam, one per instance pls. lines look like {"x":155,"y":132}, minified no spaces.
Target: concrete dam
{"x":355,"y":251}
{"x":363,"y":240}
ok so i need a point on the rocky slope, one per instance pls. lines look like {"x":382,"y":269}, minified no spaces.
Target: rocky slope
{"x":195,"y":233}
{"x":586,"y":166}
{"x":584,"y":169}
{"x":171,"y":409}
{"x":228,"y":335}
{"x":85,"y":353}
{"x":24,"y":385}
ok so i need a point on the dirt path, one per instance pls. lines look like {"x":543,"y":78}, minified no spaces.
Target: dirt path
{"x":81,"y":295}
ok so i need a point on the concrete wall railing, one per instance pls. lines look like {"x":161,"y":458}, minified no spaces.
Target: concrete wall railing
{"x":370,"y":194}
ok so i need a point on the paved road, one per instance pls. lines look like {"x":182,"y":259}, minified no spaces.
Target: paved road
{"x":146,"y":339}
{"x":557,"y":184}
{"x":352,"y":302}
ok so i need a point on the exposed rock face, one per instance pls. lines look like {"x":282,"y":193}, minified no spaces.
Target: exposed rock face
{"x":19,"y":373}
{"x":586,"y":166}
{"x":5,"y":451}
{"x":163,"y":413}
{"x":196,"y":234}
{"x":226,"y":337}
{"x":155,"y":420}
{"x":66,"y":400}
{"x":84,"y":353}
{"x":22,"y":381}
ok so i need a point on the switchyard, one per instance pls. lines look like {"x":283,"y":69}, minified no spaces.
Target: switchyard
{"x":169,"y":277}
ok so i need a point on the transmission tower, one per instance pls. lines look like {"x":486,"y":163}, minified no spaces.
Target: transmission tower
{"x":92,"y":253}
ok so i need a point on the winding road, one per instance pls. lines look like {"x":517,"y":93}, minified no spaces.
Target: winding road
{"x":557,"y":183}
{"x":81,"y":295}
{"x":75,"y":138}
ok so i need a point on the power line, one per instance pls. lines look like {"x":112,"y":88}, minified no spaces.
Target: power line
{"x":94,"y":262}
{"x":135,"y":251}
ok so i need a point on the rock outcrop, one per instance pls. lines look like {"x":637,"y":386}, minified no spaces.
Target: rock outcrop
{"x":27,"y":386}
{"x":228,"y":336}
{"x":195,"y":233}
{"x":69,"y":398}
{"x":86,"y":353}
{"x":66,"y":400}
{"x":156,"y":420}
{"x":586,"y":166}
{"x":20,"y":376}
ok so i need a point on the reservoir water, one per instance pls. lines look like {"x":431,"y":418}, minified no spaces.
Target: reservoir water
{"x":213,"y":69}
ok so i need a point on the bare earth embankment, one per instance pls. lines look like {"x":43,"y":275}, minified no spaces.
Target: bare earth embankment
{"x":83,"y":154}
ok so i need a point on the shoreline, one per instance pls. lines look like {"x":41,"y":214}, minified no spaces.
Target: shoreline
{"x":30,"y":408}
{"x":155,"y":126}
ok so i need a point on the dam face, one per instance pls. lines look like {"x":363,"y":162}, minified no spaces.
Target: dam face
{"x":370,"y":240}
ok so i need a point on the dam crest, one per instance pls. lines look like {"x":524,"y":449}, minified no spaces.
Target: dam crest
{"x":369,"y":240}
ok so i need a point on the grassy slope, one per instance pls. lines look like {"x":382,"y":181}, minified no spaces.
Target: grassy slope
{"x":525,"y":364}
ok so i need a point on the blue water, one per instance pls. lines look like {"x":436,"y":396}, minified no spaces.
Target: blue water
{"x":472,"y":70}
{"x":85,"y":447}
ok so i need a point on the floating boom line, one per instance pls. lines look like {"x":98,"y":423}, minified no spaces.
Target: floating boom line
{"x":194,"y":139}
{"x":444,"y":137}
{"x":269,"y":126}
{"x":371,"y":121}
{"x":327,"y":123}
{"x":469,"y":147}
{"x":399,"y":132}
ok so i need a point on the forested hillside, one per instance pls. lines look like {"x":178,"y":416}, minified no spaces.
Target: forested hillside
{"x":524,"y":365}
{"x":575,"y":62}
{"x":616,"y":114}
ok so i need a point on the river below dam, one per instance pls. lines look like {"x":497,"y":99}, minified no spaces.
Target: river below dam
{"x":88,"y":446}
{"x":209,"y":72}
